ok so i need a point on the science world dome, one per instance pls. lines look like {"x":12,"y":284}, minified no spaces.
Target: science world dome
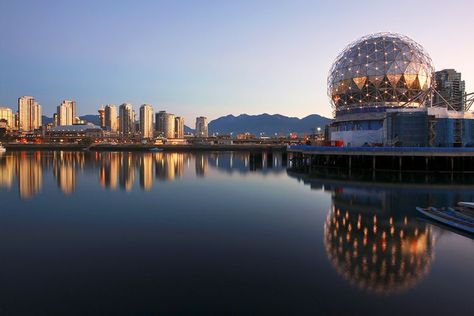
{"x":382,"y":69}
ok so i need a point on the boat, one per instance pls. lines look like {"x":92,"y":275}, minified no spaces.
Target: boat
{"x":466,"y":204}
{"x":2,"y":149}
{"x":156,"y":149}
{"x":454,"y":217}
{"x":445,"y":226}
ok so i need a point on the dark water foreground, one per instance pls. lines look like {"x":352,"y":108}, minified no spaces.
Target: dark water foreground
{"x":110,"y":233}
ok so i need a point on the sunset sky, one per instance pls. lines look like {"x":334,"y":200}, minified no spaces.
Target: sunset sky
{"x":208,"y":58}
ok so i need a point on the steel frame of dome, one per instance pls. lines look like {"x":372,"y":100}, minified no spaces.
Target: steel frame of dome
{"x":396,"y":71}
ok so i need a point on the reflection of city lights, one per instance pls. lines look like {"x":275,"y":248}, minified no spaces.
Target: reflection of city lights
{"x":115,"y":169}
{"x":383,"y":262}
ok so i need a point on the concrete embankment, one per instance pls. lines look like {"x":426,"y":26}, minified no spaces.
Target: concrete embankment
{"x":142,"y":147}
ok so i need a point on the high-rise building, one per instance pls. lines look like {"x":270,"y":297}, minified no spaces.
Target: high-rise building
{"x":29,"y":114}
{"x":160,"y":123}
{"x":126,"y":119}
{"x":110,"y":117}
{"x":66,"y":113}
{"x":169,"y":126}
{"x":450,"y":88}
{"x":7,"y":115}
{"x":146,"y":121}
{"x":102,"y":117}
{"x":165,"y":124}
{"x":55,"y":119}
{"x":179,"y":127}
{"x":201,"y":127}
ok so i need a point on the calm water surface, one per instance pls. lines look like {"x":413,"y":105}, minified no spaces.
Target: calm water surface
{"x":230,"y":233}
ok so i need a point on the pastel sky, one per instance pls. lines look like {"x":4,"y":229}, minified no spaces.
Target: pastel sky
{"x":208,"y":58}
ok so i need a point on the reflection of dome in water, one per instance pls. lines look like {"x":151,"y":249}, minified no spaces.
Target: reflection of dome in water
{"x":380,"y":255}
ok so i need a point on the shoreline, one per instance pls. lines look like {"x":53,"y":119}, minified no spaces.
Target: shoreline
{"x":142,"y":147}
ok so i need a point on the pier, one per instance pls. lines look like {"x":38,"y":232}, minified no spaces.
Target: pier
{"x":400,"y":159}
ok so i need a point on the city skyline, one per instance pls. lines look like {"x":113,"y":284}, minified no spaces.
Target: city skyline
{"x":273,"y":62}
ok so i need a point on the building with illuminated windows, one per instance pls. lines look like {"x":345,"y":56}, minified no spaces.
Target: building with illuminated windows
{"x":381,"y":89}
{"x":126,"y":120}
{"x":146,"y":121}
{"x":66,"y":113}
{"x":29,"y":114}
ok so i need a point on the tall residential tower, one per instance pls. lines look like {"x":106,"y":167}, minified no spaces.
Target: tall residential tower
{"x":29,"y":114}
{"x":146,"y":121}
{"x":66,"y":112}
{"x":126,"y":119}
{"x":110,"y":117}
{"x":201,"y":127}
{"x":450,"y":88}
{"x":179,"y":127}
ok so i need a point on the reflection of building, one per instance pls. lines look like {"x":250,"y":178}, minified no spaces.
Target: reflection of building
{"x":110,"y":117}
{"x":146,"y":121}
{"x":146,"y":171}
{"x":201,"y":127}
{"x":66,"y":113}
{"x":29,"y":114}
{"x":201,"y":164}
{"x":169,"y":165}
{"x":126,"y":119}
{"x":179,"y":127}
{"x":109,"y":169}
{"x":30,"y":176}
{"x":378,"y":253}
{"x":66,"y":175}
{"x":7,"y":171}
{"x":126,"y":171}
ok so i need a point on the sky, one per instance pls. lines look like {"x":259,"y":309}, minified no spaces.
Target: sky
{"x":209,"y":58}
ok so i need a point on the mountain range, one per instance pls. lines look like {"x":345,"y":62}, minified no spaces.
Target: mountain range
{"x":267,"y":124}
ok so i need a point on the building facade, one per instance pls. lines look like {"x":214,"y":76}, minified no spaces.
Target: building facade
{"x":29,"y":114}
{"x":101,"y":112}
{"x":164,"y":124}
{"x":126,"y":120}
{"x":160,"y":123}
{"x":66,"y":113}
{"x":449,"y":89}
{"x":169,"y":126}
{"x":6,"y":114}
{"x":146,"y":121}
{"x":110,"y":118}
{"x":376,"y":73}
{"x":201,"y":127}
{"x":179,"y":127}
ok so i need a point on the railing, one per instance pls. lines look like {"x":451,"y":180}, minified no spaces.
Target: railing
{"x":383,"y":149}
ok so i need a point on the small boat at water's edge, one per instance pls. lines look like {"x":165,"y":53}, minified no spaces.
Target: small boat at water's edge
{"x":450,"y":217}
{"x":466,"y":204}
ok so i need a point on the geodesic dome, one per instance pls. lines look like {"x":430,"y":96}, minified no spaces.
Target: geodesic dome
{"x":383,"y":69}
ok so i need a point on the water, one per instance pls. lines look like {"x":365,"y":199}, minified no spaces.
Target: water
{"x":206,"y":233}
